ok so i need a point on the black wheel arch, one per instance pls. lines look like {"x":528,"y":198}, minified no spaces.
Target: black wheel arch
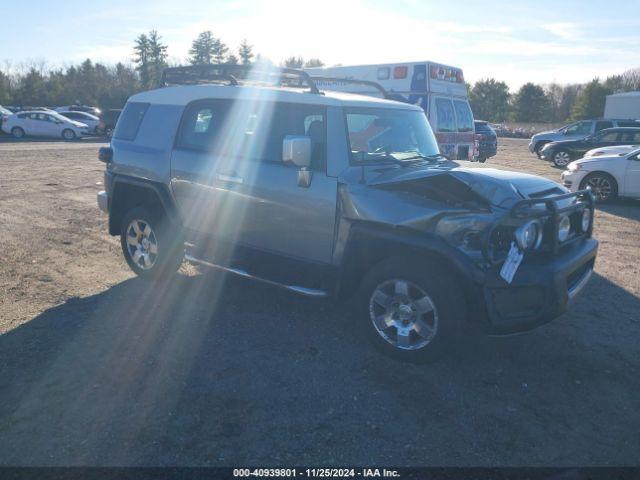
{"x":369,"y":244}
{"x":126,"y":193}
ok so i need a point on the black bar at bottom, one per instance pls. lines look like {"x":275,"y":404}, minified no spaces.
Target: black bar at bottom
{"x":422,"y":473}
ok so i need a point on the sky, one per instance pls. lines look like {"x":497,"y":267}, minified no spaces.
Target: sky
{"x":514,"y":41}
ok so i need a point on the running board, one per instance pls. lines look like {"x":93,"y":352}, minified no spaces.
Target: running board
{"x":309,"y":292}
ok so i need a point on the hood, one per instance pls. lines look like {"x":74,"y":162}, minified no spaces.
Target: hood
{"x":498,"y":187}
{"x":619,"y":150}
{"x":589,"y":161}
{"x":547,"y":132}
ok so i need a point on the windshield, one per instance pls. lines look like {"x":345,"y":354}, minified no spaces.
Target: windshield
{"x":378,"y":135}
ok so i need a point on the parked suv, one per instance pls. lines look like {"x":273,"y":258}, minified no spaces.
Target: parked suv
{"x":340,"y":195}
{"x":561,"y":153}
{"x":487,"y":140}
{"x":576,"y":131}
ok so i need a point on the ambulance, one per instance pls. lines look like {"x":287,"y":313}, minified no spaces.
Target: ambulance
{"x":439,"y":89}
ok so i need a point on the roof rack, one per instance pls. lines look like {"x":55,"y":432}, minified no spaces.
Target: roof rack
{"x":369,"y":83}
{"x":214,"y":73}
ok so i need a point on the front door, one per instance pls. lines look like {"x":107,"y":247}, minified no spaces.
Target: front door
{"x":230,"y":183}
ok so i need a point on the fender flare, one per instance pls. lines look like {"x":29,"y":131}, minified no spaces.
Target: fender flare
{"x":159,"y":190}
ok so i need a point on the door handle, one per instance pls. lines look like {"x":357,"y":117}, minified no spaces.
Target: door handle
{"x":230,"y":178}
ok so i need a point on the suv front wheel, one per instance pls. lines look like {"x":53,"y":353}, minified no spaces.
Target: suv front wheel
{"x":149,"y":248}
{"x":409,"y":310}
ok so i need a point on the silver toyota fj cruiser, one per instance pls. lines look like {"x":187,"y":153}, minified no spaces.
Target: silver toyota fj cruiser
{"x":259,"y":173}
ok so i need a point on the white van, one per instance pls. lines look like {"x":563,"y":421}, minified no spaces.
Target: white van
{"x":439,"y":89}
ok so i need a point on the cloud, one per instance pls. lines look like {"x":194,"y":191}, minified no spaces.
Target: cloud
{"x":564,"y":30}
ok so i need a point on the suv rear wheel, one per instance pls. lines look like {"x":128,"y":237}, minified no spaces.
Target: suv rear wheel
{"x":149,"y":247}
{"x":409,"y":310}
{"x":561,"y":158}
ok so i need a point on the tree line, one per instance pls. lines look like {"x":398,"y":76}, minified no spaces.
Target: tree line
{"x":491,"y":99}
{"x":109,"y":86}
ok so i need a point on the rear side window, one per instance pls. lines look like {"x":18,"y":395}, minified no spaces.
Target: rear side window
{"x":444,"y":114}
{"x":609,"y":137}
{"x":602,"y":125}
{"x":130,"y":120}
{"x":628,"y":123}
{"x":630,"y":137}
{"x":463,"y":116}
{"x":252,"y":130}
{"x":201,"y":125}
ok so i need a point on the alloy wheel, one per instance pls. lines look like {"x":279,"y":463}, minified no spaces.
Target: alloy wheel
{"x":561,"y":159}
{"x":403,"y":314}
{"x":601,"y":187}
{"x":142,"y":244}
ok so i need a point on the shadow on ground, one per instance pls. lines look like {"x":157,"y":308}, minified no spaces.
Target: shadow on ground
{"x":625,"y":207}
{"x":207,"y":371}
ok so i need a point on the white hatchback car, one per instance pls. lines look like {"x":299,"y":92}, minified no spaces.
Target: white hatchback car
{"x":609,"y":176}
{"x":43,"y":124}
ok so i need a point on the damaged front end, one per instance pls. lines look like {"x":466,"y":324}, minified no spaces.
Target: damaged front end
{"x":481,"y":212}
{"x":483,"y":216}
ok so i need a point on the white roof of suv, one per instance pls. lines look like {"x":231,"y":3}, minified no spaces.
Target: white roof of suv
{"x":184,"y":94}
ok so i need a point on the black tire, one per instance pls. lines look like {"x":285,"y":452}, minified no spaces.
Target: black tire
{"x":596,"y":181}
{"x":68,"y":134}
{"x":561,"y":158}
{"x":439,"y":286}
{"x":482,"y":160}
{"x":17,"y":132}
{"x":169,"y":249}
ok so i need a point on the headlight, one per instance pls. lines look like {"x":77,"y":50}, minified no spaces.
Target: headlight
{"x":529,"y":235}
{"x":564,"y":227}
{"x":573,"y":167}
{"x":586,"y":220}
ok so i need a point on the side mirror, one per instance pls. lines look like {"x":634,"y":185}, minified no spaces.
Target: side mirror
{"x":296,"y":150}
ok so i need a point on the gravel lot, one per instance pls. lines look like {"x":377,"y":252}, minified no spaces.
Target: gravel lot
{"x":99,"y":368}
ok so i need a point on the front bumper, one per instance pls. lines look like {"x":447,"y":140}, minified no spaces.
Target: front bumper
{"x":531,"y":146}
{"x":541,"y":290}
{"x":545,"y":154}
{"x":572,"y":180}
{"x":103,"y":201}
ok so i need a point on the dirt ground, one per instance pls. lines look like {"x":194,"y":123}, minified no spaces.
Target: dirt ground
{"x":99,"y":368}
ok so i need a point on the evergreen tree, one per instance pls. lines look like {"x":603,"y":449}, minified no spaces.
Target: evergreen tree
{"x":232,"y":59}
{"x":591,"y":101}
{"x":203,"y":48}
{"x":314,"y":62}
{"x":157,"y":56}
{"x":531,"y":104}
{"x":5,"y":89}
{"x":294,"y":62}
{"x":489,"y":100}
{"x":246,"y":52}
{"x":219,"y":51}
{"x":142,"y":53}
